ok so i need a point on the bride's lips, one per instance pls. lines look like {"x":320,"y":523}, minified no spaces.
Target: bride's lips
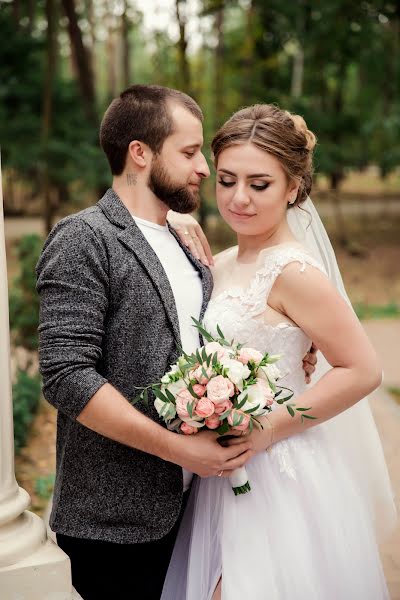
{"x":241,"y":216}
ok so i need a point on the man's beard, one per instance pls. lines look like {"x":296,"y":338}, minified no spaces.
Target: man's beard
{"x":177,"y":197}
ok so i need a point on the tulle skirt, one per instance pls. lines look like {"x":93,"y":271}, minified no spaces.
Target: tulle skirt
{"x":303,"y":532}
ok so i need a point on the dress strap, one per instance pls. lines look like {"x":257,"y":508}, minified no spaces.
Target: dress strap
{"x":275,"y":260}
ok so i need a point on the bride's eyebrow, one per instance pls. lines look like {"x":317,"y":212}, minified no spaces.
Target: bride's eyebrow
{"x":252,"y":176}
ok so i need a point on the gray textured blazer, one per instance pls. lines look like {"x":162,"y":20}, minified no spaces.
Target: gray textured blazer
{"x":107,"y":314}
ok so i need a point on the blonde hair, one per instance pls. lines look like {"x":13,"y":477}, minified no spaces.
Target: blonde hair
{"x":278,"y":132}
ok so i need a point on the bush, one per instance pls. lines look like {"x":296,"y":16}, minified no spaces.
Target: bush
{"x":24,"y":301}
{"x":26,"y":398}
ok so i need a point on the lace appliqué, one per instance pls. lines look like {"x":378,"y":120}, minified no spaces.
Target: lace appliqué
{"x":237,"y":311}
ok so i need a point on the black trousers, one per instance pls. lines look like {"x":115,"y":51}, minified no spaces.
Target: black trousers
{"x":109,"y":571}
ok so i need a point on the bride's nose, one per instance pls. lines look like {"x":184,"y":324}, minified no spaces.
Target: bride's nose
{"x":240,"y":196}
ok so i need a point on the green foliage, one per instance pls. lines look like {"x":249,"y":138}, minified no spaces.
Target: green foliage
{"x":24,"y":301}
{"x":26,"y":398}
{"x":371,"y":311}
{"x":44,"y":486}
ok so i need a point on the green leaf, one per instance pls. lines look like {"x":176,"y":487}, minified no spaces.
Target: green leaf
{"x":307,"y":417}
{"x":157,"y":392}
{"x":242,"y":402}
{"x":224,"y":428}
{"x":189,"y":408}
{"x":146,"y":397}
{"x":205,"y":334}
{"x":170,"y":396}
{"x":290,"y":410}
{"x":251,"y":410}
{"x":300,"y":409}
{"x":220,"y":332}
{"x":193,"y":393}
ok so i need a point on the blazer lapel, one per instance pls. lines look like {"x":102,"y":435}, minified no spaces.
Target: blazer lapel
{"x":133,"y":239}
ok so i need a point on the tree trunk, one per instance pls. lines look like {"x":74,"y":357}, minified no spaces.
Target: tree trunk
{"x":82,"y":61}
{"x":249,"y":53}
{"x":126,"y":62}
{"x":298,"y":59}
{"x":48,"y":109}
{"x":184,"y":70}
{"x":219,"y":68}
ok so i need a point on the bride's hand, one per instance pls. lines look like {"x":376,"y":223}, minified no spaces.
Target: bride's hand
{"x":192,"y":236}
{"x":259,"y":439}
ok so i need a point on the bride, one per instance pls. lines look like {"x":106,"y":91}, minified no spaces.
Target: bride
{"x":307,"y":529}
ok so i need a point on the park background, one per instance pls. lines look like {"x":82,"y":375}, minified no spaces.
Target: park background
{"x":336,"y":62}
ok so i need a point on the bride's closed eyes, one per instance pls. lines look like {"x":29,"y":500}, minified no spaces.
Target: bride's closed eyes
{"x":256,"y":186}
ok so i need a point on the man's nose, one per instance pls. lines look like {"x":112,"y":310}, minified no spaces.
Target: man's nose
{"x":202,"y":167}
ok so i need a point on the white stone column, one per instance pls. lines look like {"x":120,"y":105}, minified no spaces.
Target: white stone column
{"x":31,"y":566}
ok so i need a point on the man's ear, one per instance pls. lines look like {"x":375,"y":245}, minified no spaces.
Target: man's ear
{"x":139,"y":153}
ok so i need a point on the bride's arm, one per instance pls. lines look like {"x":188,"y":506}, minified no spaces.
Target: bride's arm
{"x":311,"y":301}
{"x":192,"y":236}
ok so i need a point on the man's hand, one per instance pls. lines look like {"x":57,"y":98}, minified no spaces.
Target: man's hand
{"x":202,"y":454}
{"x":309,"y":362}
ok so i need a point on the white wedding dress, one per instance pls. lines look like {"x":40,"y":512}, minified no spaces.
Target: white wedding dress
{"x":302,"y":533}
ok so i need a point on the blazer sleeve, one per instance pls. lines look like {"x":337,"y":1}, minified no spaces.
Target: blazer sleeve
{"x":72,"y":282}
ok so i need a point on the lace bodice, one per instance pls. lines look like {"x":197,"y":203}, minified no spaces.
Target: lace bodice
{"x":242,"y":313}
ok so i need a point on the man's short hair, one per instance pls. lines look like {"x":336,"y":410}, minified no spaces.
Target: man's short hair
{"x":141,"y":113}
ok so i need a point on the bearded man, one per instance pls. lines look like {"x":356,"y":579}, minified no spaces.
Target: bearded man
{"x":118,"y":290}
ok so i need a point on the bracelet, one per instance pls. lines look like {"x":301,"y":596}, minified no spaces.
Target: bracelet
{"x":272,"y":434}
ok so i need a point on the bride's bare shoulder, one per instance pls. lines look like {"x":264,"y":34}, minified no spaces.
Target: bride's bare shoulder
{"x":224,"y":256}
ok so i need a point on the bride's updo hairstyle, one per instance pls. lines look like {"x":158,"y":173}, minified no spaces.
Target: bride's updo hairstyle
{"x":276,"y":131}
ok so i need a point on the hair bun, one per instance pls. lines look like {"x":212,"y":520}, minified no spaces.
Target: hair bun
{"x":301,"y":126}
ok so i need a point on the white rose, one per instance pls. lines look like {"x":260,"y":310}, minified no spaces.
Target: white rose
{"x":237,"y":371}
{"x":175,"y":387}
{"x":258,"y":395}
{"x":166,"y":410}
{"x":166,"y":378}
{"x":270,"y":372}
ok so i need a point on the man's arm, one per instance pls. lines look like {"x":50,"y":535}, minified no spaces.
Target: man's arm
{"x":73,"y":288}
{"x":111,"y":415}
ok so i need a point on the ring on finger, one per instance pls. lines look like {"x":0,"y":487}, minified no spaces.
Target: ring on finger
{"x":186,"y":232}
{"x":220,"y":474}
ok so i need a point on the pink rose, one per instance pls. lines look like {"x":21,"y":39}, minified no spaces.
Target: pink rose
{"x":188,"y":429}
{"x":220,"y":389}
{"x":204,"y":408}
{"x":222,"y":407}
{"x":243,"y":425}
{"x":199,"y":374}
{"x":182,"y":399}
{"x":213,"y":422}
{"x":247,"y":354}
{"x":198,"y":389}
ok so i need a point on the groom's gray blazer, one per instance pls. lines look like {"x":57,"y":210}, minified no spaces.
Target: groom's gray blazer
{"x":107,"y":314}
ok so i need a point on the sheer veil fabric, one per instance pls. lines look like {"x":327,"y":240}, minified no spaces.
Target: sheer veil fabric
{"x":353,"y":433}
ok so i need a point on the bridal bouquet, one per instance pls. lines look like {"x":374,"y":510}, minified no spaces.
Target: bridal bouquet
{"x":222,"y":386}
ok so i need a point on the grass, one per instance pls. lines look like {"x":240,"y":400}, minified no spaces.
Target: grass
{"x":371,"y":311}
{"x":395,"y":392}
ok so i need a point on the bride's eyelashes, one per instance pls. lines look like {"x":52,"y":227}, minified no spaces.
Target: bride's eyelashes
{"x":257,"y":187}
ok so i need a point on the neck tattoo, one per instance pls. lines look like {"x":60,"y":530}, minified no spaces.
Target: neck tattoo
{"x":131,"y":179}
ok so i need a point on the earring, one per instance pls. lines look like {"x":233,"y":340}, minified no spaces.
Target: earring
{"x":292,"y":200}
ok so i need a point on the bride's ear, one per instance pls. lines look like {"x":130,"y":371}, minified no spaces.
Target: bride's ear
{"x":293,"y":190}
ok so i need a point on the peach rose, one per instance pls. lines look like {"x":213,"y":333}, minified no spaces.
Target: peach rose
{"x":247,"y":354}
{"x":222,"y":407}
{"x":199,"y":374}
{"x":213,"y":347}
{"x":188,"y":429}
{"x":220,"y":389}
{"x":183,"y":398}
{"x":204,"y":408}
{"x":198,"y":389}
{"x":213,"y":422}
{"x":243,"y":426}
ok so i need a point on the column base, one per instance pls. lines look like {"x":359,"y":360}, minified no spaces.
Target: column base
{"x":44,"y":575}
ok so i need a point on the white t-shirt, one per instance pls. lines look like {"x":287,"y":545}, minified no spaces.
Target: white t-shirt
{"x":186,"y":286}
